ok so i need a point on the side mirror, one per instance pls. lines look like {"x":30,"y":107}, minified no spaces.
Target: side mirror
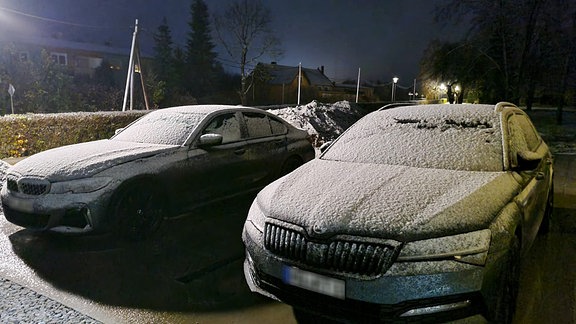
{"x":117,"y":131}
{"x":208,"y":140}
{"x":528,"y":160}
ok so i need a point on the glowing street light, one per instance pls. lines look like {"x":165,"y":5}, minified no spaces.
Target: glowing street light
{"x":394,"y":81}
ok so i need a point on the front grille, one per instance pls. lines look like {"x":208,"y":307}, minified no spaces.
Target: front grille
{"x":12,"y":182}
{"x":29,"y":186}
{"x":337,"y":255}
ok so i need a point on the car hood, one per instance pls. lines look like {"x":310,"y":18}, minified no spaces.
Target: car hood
{"x":84,"y":159}
{"x":386,"y":201}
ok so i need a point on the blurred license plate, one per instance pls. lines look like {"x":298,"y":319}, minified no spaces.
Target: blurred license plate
{"x":315,"y":282}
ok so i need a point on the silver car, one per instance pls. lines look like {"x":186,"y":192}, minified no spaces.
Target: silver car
{"x":166,"y":162}
{"x":416,"y":213}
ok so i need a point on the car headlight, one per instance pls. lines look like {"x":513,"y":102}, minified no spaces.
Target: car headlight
{"x":84,"y":185}
{"x":471,"y":248}
{"x":256,"y":215}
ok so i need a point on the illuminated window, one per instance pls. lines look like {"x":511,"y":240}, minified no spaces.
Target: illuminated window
{"x":59,"y":58}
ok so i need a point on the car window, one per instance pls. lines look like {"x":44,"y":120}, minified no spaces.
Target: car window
{"x":278,"y":127}
{"x":161,"y":127}
{"x":258,"y":125}
{"x":425,"y":137}
{"x":226,"y":125}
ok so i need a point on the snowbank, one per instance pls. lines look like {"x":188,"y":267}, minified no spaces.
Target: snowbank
{"x":324,"y":122}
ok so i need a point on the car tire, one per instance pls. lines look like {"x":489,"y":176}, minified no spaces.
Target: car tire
{"x":291,"y":164}
{"x":504,"y":302}
{"x":138,"y":210}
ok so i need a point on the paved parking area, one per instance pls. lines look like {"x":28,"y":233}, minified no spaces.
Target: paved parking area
{"x":196,"y":275}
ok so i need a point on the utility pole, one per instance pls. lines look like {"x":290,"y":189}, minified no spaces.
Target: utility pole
{"x":358,"y":86}
{"x":134,"y":56}
{"x":299,"y":81}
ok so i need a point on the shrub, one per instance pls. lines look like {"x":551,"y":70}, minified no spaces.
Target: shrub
{"x":26,"y":134}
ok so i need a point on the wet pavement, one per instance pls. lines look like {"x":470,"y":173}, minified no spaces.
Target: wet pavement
{"x":192,"y":271}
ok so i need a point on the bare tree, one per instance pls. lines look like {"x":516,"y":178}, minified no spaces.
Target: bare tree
{"x":244,"y":32}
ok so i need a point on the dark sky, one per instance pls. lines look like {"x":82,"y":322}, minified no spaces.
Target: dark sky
{"x":383,"y":38}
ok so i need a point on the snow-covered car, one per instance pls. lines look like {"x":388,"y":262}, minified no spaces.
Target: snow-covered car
{"x":3,"y":169}
{"x":417,"y":213}
{"x":166,"y":162}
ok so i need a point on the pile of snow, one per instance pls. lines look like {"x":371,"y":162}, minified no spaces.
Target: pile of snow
{"x":324,"y":122}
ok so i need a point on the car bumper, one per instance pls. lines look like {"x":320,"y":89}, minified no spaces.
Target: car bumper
{"x":440,"y":296}
{"x":64,"y":213}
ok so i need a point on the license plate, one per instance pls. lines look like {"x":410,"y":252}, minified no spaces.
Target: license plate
{"x":314,"y":282}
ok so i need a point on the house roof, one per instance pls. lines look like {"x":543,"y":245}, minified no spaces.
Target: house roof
{"x":66,"y":44}
{"x":282,"y":74}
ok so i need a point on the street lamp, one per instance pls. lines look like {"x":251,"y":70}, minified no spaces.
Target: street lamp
{"x":394,"y":81}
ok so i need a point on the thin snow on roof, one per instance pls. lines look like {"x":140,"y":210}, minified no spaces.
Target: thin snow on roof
{"x":282,"y":74}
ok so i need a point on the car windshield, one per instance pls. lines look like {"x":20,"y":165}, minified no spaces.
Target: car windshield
{"x":161,"y":127}
{"x":424,"y":137}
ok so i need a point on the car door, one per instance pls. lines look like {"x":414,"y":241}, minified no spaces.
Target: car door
{"x":533,"y":162}
{"x":214,"y":172}
{"x":265,"y":148}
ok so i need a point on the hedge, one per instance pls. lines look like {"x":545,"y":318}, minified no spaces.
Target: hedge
{"x":26,"y":134}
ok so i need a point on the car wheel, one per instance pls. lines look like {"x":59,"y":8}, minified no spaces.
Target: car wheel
{"x":547,"y":218}
{"x":291,"y":164}
{"x":138,"y":211}
{"x":504,"y":303}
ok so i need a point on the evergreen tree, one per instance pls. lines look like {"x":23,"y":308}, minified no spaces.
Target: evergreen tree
{"x":163,"y":65}
{"x":203,"y":70}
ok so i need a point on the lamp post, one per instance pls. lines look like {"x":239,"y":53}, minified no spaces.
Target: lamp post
{"x":457,"y":93}
{"x":394,"y":81}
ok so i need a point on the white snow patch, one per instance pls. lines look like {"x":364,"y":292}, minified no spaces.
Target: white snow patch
{"x":325,"y":122}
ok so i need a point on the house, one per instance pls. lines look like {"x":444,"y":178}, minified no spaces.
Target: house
{"x":278,"y":84}
{"x":82,"y":59}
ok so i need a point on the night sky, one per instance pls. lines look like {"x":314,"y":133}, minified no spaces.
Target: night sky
{"x":383,"y":38}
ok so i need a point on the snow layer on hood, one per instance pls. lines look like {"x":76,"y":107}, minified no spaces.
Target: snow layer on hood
{"x":83,"y":159}
{"x":387,"y":201}
{"x":325,"y":121}
{"x":457,"y":137}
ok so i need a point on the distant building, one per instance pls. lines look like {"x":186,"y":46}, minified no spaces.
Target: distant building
{"x":278,"y":84}
{"x":80,"y":58}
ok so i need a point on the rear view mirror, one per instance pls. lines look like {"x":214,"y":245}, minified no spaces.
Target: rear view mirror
{"x":208,"y":140}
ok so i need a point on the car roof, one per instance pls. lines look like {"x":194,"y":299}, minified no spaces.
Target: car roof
{"x":487,"y":109}
{"x":208,"y":109}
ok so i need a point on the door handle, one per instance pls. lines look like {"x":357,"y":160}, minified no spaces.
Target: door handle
{"x":240,"y":151}
{"x":539,"y":175}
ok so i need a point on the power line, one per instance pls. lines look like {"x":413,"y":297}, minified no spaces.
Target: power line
{"x":53,"y":20}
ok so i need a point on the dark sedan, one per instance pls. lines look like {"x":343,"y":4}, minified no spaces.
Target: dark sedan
{"x":414,"y":214}
{"x":168,"y":161}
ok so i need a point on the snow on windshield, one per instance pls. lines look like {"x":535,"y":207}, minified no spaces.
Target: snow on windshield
{"x":455,"y":137}
{"x":161,"y":127}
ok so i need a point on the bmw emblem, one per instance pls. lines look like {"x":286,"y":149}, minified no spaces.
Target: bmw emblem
{"x":319,"y":228}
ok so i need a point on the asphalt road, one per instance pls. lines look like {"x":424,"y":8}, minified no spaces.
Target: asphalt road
{"x":192,"y":271}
